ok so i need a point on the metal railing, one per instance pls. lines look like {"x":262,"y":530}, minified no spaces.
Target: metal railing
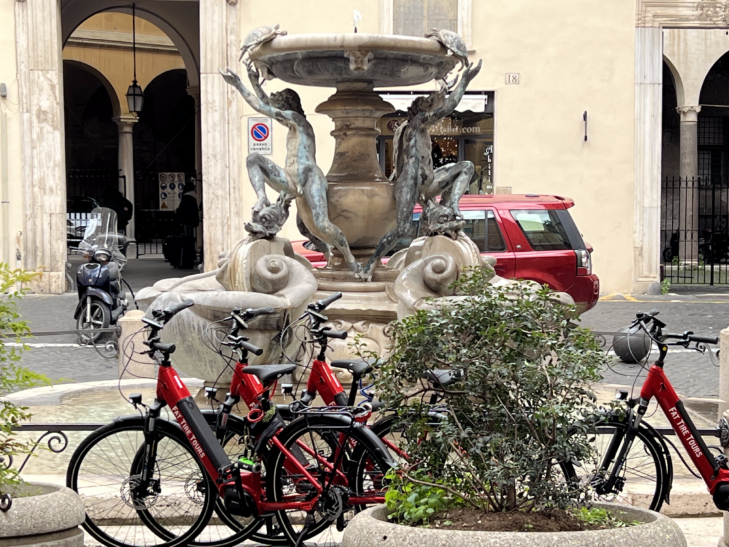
{"x":695,"y":230}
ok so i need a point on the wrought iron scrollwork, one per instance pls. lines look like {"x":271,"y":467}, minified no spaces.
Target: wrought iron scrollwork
{"x":57,"y":442}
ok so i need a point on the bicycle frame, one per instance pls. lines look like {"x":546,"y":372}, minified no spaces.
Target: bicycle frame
{"x":173,"y":392}
{"x":657,"y":385}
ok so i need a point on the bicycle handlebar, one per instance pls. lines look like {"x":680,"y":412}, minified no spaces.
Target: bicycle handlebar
{"x":250,"y":313}
{"x":324,"y":302}
{"x":168,"y":313}
{"x":330,"y":333}
{"x":644,"y":320}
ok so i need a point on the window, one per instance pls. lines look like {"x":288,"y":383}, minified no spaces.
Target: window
{"x":549,"y":230}
{"x":416,"y":17}
{"x":480,"y":226}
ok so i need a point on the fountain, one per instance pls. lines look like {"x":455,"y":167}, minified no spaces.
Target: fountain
{"x":354,"y":213}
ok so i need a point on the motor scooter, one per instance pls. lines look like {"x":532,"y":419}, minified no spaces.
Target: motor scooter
{"x":101,"y":297}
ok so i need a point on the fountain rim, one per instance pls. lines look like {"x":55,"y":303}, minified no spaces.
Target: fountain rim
{"x":302,"y":43}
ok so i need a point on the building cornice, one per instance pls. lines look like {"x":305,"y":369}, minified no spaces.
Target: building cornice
{"x":120,"y":40}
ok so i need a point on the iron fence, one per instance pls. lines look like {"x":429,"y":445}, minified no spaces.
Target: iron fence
{"x":695,"y":230}
{"x":90,"y":183}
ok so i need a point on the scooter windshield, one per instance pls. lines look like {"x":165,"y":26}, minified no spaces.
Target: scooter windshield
{"x":101,"y":233}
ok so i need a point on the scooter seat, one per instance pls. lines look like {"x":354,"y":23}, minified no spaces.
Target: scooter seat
{"x":268,"y":373}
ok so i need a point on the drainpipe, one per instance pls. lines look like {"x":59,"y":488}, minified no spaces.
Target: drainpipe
{"x":4,"y":185}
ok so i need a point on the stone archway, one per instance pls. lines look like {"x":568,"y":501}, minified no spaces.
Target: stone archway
{"x":652,"y":16}
{"x":41,"y":27}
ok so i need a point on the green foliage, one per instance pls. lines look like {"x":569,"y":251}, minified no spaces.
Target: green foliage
{"x":665,"y":286}
{"x":602,"y":517}
{"x":520,"y":404}
{"x":13,"y":377}
{"x":415,"y":503}
{"x":675,"y":260}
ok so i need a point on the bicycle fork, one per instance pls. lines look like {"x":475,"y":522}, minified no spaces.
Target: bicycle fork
{"x":618,"y":449}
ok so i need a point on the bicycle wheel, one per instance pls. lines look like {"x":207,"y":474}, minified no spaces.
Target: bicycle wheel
{"x":643,"y":479}
{"x":393,"y":438}
{"x":324,"y":446}
{"x":225,"y":529}
{"x":104,"y":473}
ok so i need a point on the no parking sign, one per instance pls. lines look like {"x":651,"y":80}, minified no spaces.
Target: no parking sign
{"x":260,"y":136}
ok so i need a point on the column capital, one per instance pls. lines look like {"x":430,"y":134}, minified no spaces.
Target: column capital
{"x":125,"y":123}
{"x":688,"y":113}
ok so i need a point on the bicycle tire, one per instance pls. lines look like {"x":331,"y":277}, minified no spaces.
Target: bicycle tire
{"x":282,"y":485}
{"x":383,"y":428}
{"x":645,"y":476}
{"x":234,"y":529}
{"x":102,"y":481}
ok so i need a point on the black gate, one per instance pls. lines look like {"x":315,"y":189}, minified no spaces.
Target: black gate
{"x":694,"y":231}
{"x":153,"y":224}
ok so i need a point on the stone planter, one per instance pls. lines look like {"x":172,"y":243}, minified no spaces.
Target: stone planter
{"x":43,"y":515}
{"x":371,"y":528}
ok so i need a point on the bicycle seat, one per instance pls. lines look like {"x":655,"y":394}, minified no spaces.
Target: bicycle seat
{"x":268,"y":373}
{"x":358,"y":367}
{"x":440,"y":377}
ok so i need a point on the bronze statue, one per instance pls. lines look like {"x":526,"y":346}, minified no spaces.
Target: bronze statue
{"x":301,"y":176}
{"x":416,"y":181}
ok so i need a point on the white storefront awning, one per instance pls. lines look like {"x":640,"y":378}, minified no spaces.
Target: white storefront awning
{"x":401,"y":101}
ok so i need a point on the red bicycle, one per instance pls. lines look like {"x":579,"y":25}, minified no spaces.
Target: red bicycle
{"x":147,"y":481}
{"x":634,"y":454}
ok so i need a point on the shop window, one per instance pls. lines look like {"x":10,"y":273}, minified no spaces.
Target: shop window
{"x":416,"y":17}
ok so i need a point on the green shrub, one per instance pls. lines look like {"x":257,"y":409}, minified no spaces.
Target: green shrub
{"x":13,"y":377}
{"x":522,"y":401}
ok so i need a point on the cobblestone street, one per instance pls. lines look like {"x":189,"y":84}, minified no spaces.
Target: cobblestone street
{"x":692,"y":374}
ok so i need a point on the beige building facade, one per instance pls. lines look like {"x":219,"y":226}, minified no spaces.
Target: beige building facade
{"x":545,"y":66}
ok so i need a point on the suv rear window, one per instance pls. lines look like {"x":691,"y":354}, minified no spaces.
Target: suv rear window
{"x":548,"y":229}
{"x":480,"y":226}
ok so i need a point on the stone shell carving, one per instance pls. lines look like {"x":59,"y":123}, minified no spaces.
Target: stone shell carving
{"x":433,"y":263}
{"x":256,"y":274}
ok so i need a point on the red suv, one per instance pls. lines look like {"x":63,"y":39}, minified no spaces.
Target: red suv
{"x":531,"y":236}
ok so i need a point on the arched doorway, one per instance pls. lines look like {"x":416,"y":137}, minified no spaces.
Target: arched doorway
{"x":164,"y":154}
{"x":91,"y":134}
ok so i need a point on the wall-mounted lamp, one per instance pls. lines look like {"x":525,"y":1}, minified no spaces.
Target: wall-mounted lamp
{"x":584,"y":118}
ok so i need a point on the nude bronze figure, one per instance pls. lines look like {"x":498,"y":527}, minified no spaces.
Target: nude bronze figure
{"x":301,"y":176}
{"x":416,"y":181}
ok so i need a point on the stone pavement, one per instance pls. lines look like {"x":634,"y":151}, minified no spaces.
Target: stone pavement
{"x":58,"y":356}
{"x":692,"y":374}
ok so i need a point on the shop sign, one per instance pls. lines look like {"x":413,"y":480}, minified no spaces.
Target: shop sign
{"x":445,"y":127}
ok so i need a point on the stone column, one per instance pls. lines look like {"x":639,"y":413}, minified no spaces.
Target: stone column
{"x":647,"y":203}
{"x":221,"y":128}
{"x":688,"y":226}
{"x":43,"y":176}
{"x":126,"y":163}
{"x":194,"y":92}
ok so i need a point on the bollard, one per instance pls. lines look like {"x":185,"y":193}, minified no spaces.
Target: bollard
{"x":142,"y":366}
{"x":723,"y":407}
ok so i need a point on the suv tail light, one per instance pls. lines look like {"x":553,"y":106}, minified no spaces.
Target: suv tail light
{"x":584,"y":262}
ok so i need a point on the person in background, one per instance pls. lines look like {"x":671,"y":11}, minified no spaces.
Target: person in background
{"x":187,"y":212}
{"x":113,"y":199}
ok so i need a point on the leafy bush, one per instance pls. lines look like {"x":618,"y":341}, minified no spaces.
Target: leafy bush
{"x":521,"y":402}
{"x":13,"y":377}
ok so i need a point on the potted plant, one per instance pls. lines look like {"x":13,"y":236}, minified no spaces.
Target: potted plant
{"x":30,"y":514}
{"x":483,"y":455}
